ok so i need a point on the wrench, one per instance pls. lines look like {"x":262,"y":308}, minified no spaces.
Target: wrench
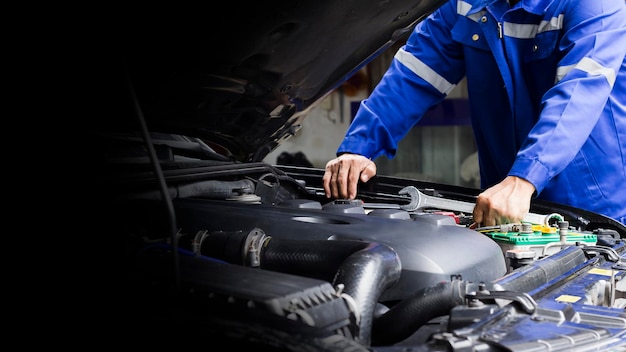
{"x":420,"y":201}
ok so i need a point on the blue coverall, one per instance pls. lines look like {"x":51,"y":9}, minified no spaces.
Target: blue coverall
{"x":547,"y":90}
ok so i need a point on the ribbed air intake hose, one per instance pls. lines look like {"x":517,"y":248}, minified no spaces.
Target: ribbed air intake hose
{"x":366,"y":274}
{"x":318,"y":259}
{"x":364,"y":269}
{"x":530,"y":277}
{"x":404,"y":318}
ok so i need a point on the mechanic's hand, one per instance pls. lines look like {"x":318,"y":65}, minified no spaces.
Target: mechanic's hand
{"x":504,"y":203}
{"x":343,"y":173}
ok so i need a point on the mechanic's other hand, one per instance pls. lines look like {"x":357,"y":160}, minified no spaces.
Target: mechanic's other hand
{"x":343,"y":173}
{"x":504,"y":203}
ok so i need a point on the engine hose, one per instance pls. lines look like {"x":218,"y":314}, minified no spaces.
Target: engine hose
{"x":404,"y":318}
{"x":366,"y":274}
{"x":530,"y":277}
{"x":364,"y":269}
{"x":318,"y":259}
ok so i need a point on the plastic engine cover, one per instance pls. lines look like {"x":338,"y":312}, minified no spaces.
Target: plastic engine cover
{"x":432,"y":248}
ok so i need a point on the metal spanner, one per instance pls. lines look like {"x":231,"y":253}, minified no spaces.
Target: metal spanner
{"x":420,"y":201}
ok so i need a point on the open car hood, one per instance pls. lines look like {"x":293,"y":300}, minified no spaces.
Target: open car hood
{"x":243,"y":78}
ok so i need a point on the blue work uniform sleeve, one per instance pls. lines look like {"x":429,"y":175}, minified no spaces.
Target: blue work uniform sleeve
{"x":593,"y":46}
{"x":421,"y":74}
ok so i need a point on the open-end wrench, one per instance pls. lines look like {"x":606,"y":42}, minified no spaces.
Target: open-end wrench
{"x":420,"y":201}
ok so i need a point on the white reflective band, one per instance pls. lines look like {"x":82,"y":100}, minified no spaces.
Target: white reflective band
{"x":561,"y":71}
{"x":591,"y":67}
{"x":462,"y":8}
{"x":521,"y":31}
{"x":423,"y":71}
{"x":476,"y":16}
{"x":555,"y":24}
{"x":529,"y":31}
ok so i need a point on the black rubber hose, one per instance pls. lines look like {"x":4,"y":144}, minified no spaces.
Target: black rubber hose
{"x":365,"y":269}
{"x":366,"y":274}
{"x":319,"y":259}
{"x":404,"y":318}
{"x":530,"y":277}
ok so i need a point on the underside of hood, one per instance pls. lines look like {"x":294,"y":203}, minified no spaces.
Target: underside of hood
{"x":243,"y":77}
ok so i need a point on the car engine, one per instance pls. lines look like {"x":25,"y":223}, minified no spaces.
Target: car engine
{"x":255,"y":256}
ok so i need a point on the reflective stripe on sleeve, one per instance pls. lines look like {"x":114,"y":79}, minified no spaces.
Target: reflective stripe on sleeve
{"x":422,"y":70}
{"x":591,"y":67}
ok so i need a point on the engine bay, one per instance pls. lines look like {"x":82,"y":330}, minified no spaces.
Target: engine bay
{"x":256,"y":255}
